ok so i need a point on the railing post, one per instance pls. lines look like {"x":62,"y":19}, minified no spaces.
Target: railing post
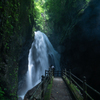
{"x":57,"y":73}
{"x":49,"y":76}
{"x":65,"y":72}
{"x":61,"y":72}
{"x":70,"y":75}
{"x":45,"y":73}
{"x":53,"y":71}
{"x":42,"y":87}
{"x":84,"y":88}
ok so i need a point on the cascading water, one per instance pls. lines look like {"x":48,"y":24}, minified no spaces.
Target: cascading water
{"x":41,"y":56}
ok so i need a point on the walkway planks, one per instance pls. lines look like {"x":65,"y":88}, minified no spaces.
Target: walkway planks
{"x":59,"y":90}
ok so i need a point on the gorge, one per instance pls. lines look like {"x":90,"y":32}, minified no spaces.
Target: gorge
{"x":73,"y":28}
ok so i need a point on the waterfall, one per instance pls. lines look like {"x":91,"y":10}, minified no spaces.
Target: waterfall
{"x":41,"y":56}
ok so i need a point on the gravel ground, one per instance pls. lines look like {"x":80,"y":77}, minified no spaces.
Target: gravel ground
{"x":59,"y":90}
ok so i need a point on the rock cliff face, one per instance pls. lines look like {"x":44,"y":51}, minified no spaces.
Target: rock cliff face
{"x":82,"y":53}
{"x":16,"y":24}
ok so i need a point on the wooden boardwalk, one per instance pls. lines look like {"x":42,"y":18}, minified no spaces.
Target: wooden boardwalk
{"x":60,"y":90}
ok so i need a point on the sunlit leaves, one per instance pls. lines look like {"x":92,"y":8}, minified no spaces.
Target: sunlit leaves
{"x":41,"y":15}
{"x":62,"y":13}
{"x":88,"y":0}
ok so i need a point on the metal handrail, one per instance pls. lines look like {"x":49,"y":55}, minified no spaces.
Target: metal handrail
{"x":93,"y":89}
{"x":77,"y":78}
{"x":86,"y":84}
{"x":77,"y":84}
{"x":70,"y":75}
{"x":46,"y":80}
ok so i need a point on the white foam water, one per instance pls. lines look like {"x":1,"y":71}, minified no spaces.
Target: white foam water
{"x":41,"y":56}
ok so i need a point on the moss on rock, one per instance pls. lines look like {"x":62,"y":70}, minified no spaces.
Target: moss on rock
{"x":16,"y":23}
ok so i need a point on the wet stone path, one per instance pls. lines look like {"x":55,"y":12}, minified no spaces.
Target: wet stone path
{"x":60,"y":90}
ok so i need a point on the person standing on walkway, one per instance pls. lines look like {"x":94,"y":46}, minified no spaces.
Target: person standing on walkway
{"x":53,"y":68}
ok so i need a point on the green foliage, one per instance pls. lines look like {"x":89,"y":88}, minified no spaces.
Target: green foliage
{"x":1,"y":93}
{"x":14,"y":16}
{"x":9,"y":16}
{"x":17,"y":18}
{"x":48,"y":91}
{"x":59,"y":16}
{"x":64,"y":14}
{"x":76,"y":92}
{"x":41,"y":16}
{"x":88,"y":1}
{"x":2,"y":97}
